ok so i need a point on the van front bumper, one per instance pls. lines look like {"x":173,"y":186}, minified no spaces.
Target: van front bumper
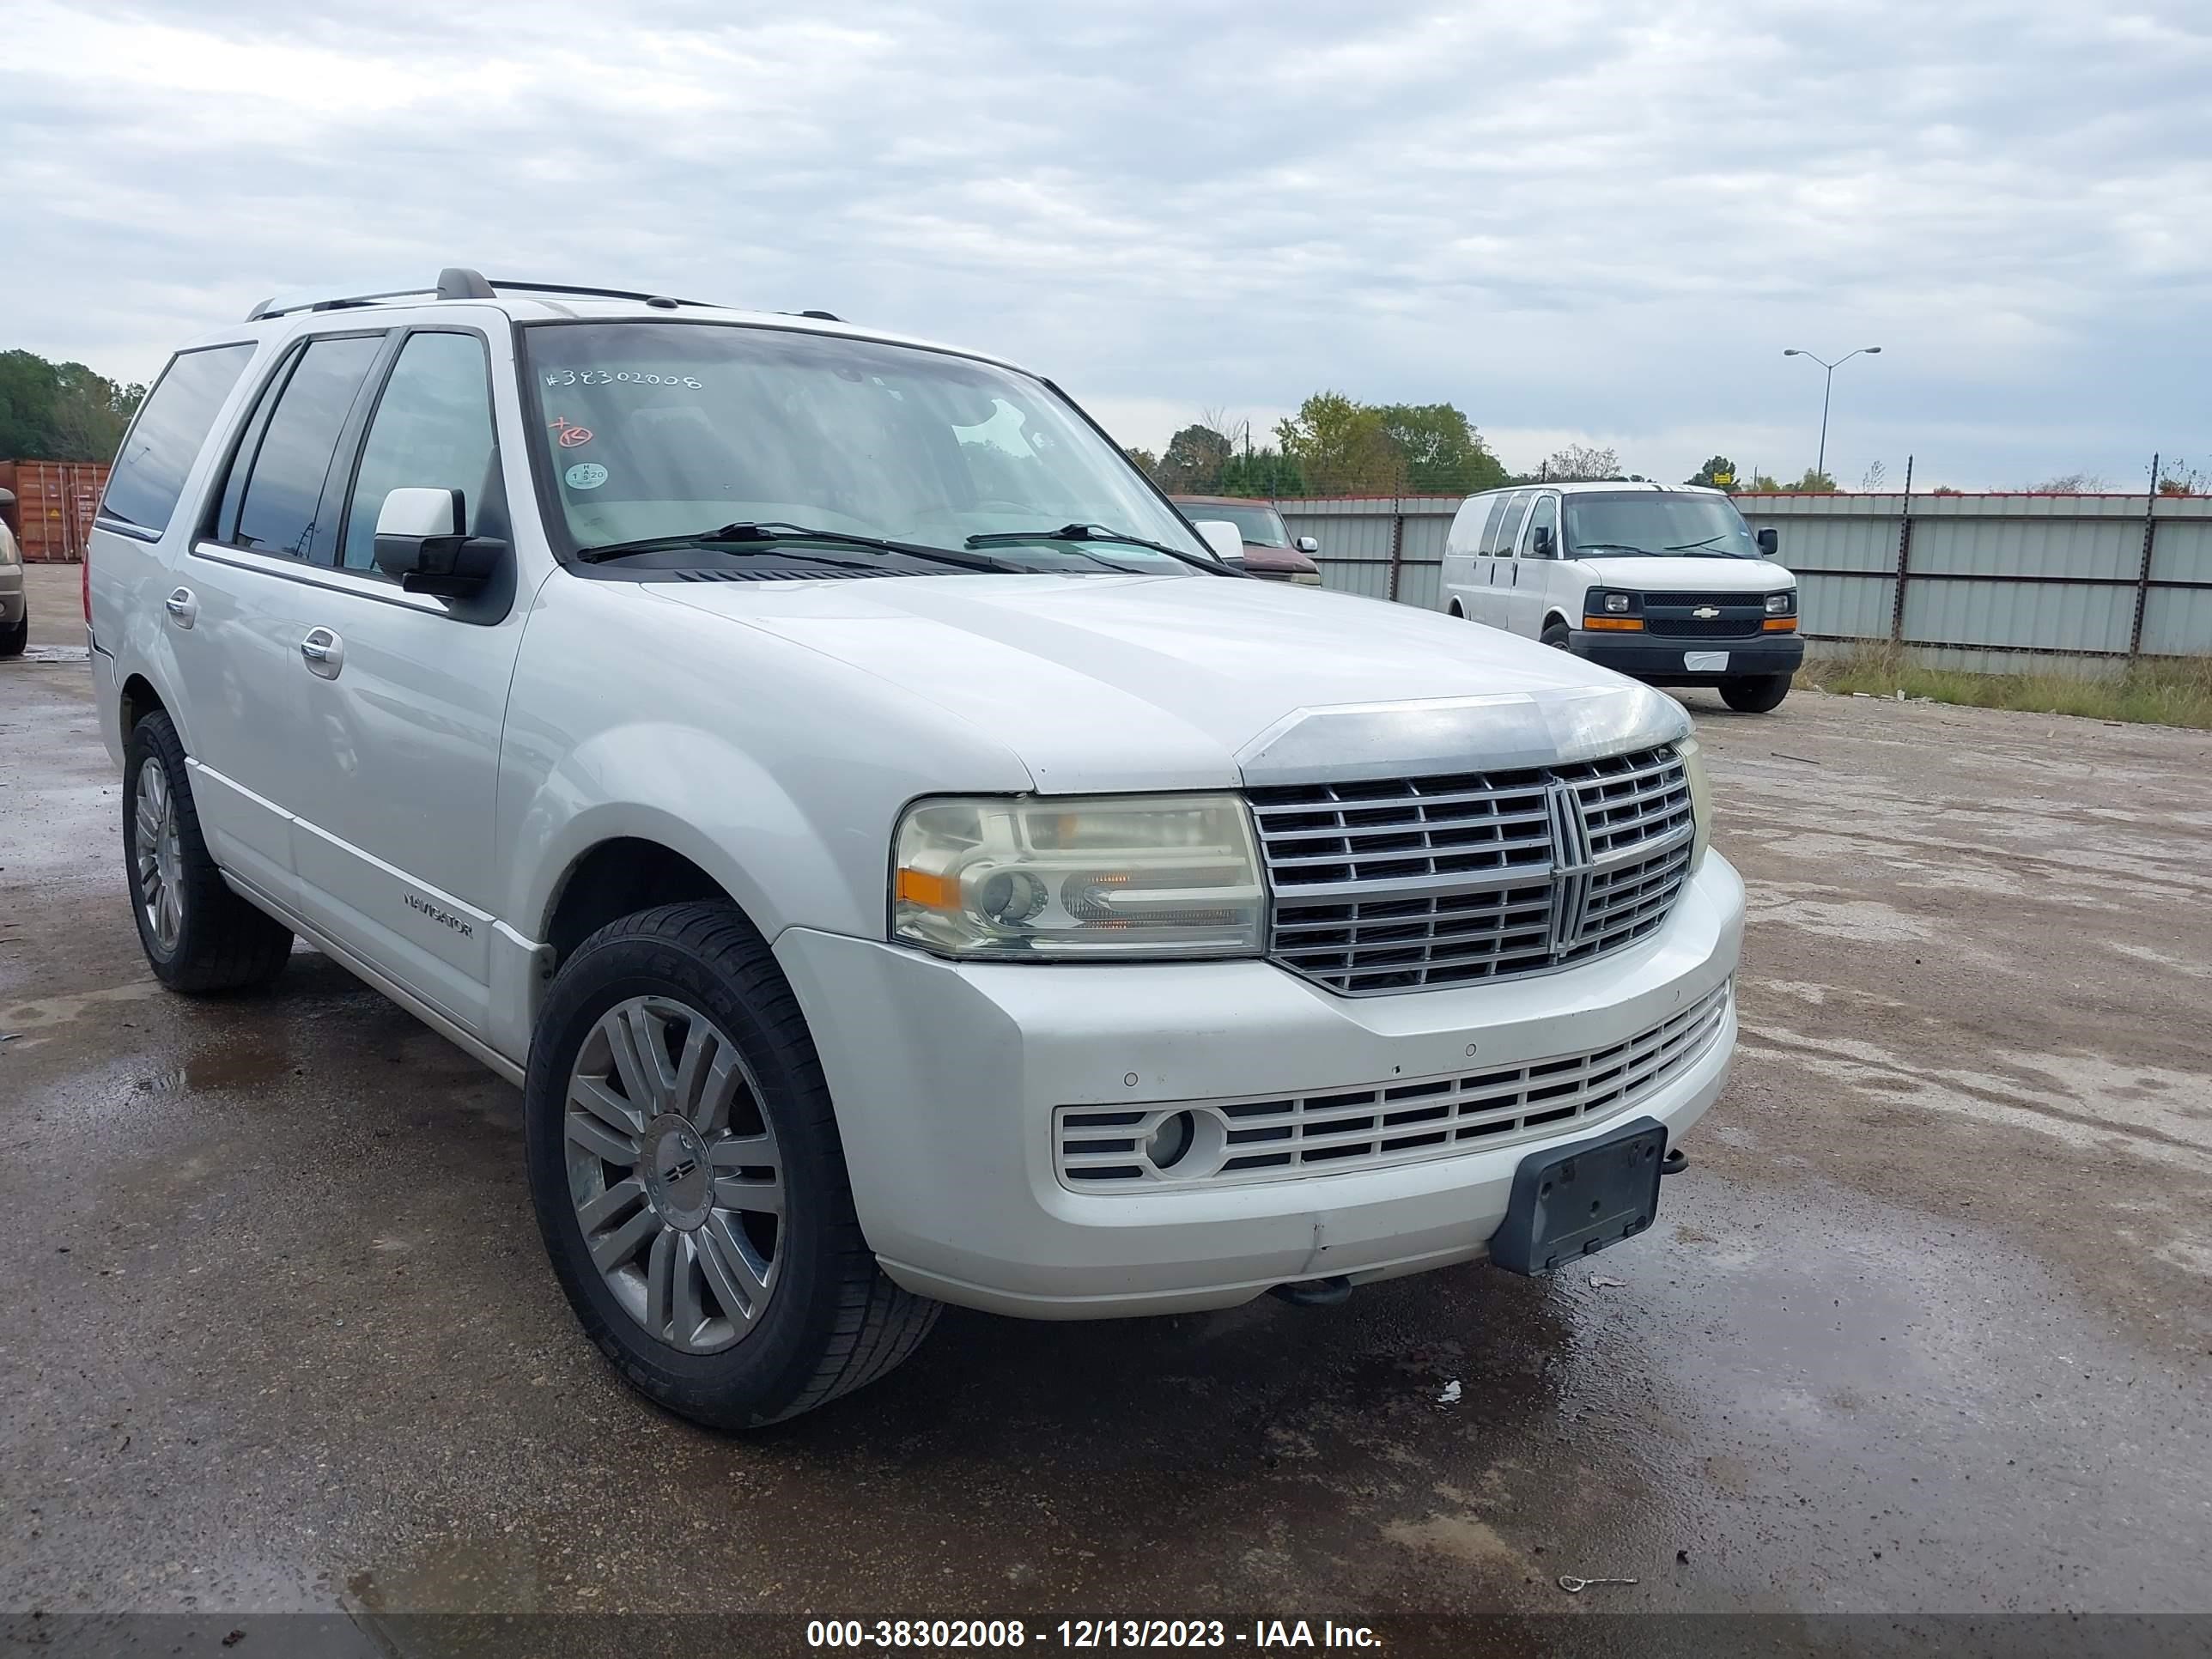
{"x":1664,"y":661}
{"x":947,"y":1078}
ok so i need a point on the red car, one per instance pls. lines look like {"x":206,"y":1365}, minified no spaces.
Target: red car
{"x":1269,"y":551}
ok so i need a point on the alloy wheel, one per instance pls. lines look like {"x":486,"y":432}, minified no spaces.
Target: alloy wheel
{"x":160,"y":857}
{"x":675,"y":1174}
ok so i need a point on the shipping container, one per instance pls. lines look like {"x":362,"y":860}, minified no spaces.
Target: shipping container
{"x":54,"y":504}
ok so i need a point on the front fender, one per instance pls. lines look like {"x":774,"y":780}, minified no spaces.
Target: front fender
{"x":699,"y":795}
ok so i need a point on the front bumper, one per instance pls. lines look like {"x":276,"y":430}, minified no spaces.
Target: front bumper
{"x":11,"y":595}
{"x":946,"y":1077}
{"x":1659,"y":659}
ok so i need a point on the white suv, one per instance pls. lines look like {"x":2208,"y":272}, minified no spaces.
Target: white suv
{"x":898,"y":863}
{"x":1662,"y":582}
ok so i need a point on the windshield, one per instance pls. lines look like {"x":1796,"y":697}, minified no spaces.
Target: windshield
{"x":1259,"y":526}
{"x":1657,"y":522}
{"x":670,"y":430}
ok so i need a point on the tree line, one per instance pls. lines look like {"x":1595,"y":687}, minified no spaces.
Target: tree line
{"x":53,"y":412}
{"x":1337,"y":446}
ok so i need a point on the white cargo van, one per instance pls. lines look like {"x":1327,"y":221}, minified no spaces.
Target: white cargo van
{"x":1664,"y":582}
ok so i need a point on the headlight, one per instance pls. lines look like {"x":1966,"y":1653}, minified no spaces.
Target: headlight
{"x":7,"y":553}
{"x":1616,"y":603}
{"x":1782,"y":605}
{"x":1103,"y":877}
{"x":1701,"y":798}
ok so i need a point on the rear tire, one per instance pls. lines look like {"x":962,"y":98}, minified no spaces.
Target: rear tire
{"x":1755,"y":694}
{"x":689,"y":1183}
{"x":199,"y":935}
{"x":13,"y":640}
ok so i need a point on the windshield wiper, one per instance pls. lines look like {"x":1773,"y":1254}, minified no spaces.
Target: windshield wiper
{"x":1092,"y":532}
{"x":754,"y":536}
{"x":1684,"y":547}
{"x":1614,"y":547}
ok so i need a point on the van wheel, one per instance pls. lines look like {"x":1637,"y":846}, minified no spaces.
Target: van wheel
{"x":688,"y":1180}
{"x":1555,"y":635}
{"x":1456,"y":611}
{"x":1755,"y":694}
{"x":199,"y":935}
{"x":13,"y":640}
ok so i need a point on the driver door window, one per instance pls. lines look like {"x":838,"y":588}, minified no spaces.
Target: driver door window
{"x":432,"y":429}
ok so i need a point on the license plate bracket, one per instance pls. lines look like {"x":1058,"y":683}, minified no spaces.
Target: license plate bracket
{"x":1572,"y":1201}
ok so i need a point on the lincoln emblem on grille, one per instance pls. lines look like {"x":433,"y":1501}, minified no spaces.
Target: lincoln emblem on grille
{"x":1706,"y":612}
{"x":1571,"y":865}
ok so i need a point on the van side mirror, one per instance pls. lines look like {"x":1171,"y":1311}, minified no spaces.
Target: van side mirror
{"x":1223,"y":539}
{"x":1768,"y":541}
{"x":1541,"y":544}
{"x":420,"y":539}
{"x":1307,"y":545}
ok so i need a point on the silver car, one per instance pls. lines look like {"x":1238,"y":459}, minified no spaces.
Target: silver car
{"x":14,"y":614}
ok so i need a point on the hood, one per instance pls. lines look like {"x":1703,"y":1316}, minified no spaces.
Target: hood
{"x":1259,"y":556}
{"x":1644,"y":574}
{"x":1102,"y":683}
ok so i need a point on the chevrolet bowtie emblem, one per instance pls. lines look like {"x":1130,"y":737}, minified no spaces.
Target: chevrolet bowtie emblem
{"x":1706,"y":612}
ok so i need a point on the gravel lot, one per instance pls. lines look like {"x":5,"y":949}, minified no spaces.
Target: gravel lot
{"x":1925,"y":1328}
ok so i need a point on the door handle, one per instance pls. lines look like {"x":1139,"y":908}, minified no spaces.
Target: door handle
{"x":323,"y":653}
{"x":183,"y":606}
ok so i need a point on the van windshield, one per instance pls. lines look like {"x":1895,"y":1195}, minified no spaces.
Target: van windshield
{"x":1259,"y":526}
{"x":1656,"y":522}
{"x":674,"y":429}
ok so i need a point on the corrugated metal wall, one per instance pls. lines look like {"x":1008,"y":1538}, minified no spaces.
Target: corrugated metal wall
{"x":1994,"y":583}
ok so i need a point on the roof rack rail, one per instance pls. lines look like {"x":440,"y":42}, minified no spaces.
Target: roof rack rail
{"x":463,"y":282}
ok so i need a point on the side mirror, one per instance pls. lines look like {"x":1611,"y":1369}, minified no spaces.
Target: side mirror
{"x":1307,"y":545}
{"x":420,"y":539}
{"x":1768,"y":541}
{"x":1226,"y":540}
{"x":1540,"y":544}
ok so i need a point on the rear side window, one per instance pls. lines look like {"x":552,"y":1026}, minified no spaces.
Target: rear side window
{"x":1485,"y":540}
{"x":277,"y":478}
{"x":165,"y":438}
{"x":1506,"y":526}
{"x":432,"y":430}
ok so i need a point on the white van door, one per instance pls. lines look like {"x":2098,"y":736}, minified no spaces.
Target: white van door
{"x":1532,"y":587}
{"x":1505,"y":534}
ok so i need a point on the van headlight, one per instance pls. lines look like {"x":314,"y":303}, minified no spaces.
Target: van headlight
{"x":1103,"y":875}
{"x":1783,"y":603}
{"x":1692,"y":756}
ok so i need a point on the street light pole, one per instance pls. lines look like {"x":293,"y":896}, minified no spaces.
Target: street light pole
{"x":1827,"y":384}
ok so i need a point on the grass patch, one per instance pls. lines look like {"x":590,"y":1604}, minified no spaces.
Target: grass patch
{"x":2168,"y":691}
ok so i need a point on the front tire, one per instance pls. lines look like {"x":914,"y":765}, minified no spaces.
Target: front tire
{"x":199,"y":935}
{"x":13,"y":640}
{"x":1755,"y":694}
{"x":689,"y":1183}
{"x":1556,"y":636}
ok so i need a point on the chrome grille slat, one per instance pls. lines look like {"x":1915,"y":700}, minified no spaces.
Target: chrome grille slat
{"x":1398,"y":885}
{"x":1402,"y":1120}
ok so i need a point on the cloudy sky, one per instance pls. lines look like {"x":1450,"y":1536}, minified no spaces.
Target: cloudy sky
{"x":1595,"y":221}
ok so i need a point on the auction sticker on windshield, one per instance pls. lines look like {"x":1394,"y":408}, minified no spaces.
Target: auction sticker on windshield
{"x":585,"y":475}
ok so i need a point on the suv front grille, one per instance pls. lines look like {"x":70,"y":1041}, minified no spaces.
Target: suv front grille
{"x":1404,"y":883}
{"x":1277,"y":1137}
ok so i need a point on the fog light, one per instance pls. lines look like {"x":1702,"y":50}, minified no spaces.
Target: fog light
{"x":1171,"y":1141}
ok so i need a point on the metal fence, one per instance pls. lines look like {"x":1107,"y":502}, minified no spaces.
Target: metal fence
{"x":1993,"y":583}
